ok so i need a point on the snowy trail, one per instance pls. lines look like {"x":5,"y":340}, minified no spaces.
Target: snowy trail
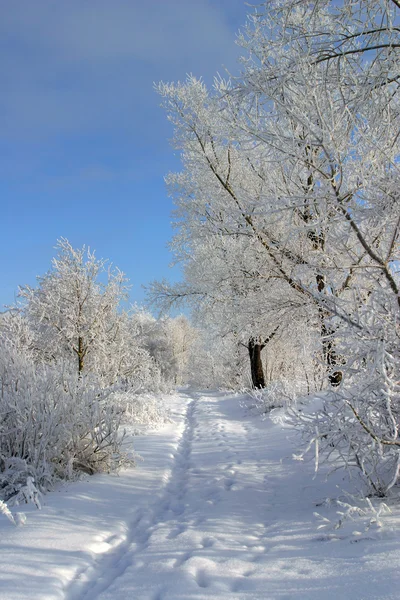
{"x":126,"y":553}
{"x":218,"y":510}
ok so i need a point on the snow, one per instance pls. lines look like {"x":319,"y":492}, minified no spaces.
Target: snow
{"x":217,"y":509}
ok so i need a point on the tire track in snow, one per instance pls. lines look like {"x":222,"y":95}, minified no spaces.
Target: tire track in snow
{"x":125,"y":551}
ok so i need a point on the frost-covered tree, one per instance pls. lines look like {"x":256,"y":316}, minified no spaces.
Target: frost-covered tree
{"x":275,"y":156}
{"x":288,"y":199}
{"x":73,"y":313}
{"x":329,"y":77}
{"x":232,"y":269}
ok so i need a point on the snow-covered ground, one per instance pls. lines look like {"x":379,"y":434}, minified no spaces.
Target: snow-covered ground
{"x":217,"y":509}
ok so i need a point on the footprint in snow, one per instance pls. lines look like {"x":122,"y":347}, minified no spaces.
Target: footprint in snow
{"x":229,"y":483}
{"x":176,"y":532}
{"x":249,"y":573}
{"x":202,"y":579}
{"x":113,"y":539}
{"x":178,"y":508}
{"x":182,"y":559}
{"x":261,"y":552}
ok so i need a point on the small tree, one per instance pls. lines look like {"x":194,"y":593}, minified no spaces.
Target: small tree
{"x":72,"y":312}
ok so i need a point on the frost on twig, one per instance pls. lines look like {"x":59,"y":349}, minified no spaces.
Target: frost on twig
{"x":365,"y":517}
{"x":4,"y":510}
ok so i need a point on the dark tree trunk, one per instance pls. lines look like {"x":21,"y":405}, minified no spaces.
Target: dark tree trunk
{"x":255,"y":347}
{"x":257,"y":371}
{"x":332,"y":360}
{"x":81,"y":355}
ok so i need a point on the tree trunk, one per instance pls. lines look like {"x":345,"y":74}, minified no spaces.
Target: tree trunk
{"x":328,"y":343}
{"x":257,"y":371}
{"x":332,"y":360}
{"x":81,"y":355}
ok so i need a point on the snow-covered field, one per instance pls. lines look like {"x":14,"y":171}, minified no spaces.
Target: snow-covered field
{"x":217,"y":509}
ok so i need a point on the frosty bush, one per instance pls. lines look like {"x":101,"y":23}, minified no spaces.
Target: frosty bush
{"x":54,"y":424}
{"x":277,"y":394}
{"x":358,"y":425}
{"x":4,"y":510}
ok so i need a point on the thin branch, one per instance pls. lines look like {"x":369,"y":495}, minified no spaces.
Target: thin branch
{"x":330,"y":56}
{"x":373,"y":435}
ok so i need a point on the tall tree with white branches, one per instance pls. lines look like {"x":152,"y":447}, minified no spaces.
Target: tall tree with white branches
{"x":294,"y":167}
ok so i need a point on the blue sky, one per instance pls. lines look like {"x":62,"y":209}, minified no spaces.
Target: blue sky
{"x":84,"y":146}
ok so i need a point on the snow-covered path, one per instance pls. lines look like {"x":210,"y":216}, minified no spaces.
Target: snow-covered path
{"x":217,"y":510}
